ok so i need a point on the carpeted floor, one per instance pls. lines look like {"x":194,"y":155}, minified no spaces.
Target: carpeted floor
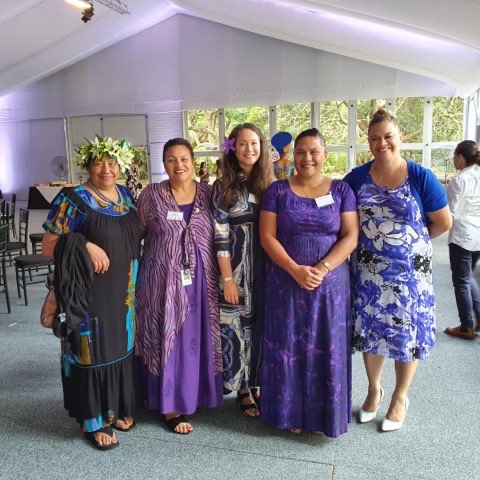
{"x":439,"y":441}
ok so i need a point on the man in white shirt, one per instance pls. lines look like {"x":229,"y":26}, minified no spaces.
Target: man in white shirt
{"x":463,"y":193}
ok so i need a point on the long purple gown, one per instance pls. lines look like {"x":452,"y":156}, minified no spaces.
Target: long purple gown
{"x":181,"y":364}
{"x":306,"y":373}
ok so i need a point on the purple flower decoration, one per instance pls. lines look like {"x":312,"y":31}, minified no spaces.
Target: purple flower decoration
{"x":228,"y":145}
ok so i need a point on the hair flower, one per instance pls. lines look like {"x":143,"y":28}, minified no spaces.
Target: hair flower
{"x":118,"y":150}
{"x":228,"y":145}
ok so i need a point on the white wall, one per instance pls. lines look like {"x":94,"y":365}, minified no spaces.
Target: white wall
{"x":27,"y":153}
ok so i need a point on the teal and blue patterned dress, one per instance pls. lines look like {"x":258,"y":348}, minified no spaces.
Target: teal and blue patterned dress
{"x":97,"y":361}
{"x":392,"y":296}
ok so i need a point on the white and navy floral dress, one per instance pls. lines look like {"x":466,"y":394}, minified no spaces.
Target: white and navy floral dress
{"x":393,"y":298}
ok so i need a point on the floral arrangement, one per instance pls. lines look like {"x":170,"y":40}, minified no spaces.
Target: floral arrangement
{"x":118,"y":150}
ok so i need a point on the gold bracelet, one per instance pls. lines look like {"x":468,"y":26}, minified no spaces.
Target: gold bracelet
{"x":327,"y":266}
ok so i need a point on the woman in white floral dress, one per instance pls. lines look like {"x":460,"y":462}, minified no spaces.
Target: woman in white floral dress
{"x":401,"y":207}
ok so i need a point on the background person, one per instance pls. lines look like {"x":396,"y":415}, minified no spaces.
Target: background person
{"x":463,"y":193}
{"x":308,"y":228}
{"x":283,"y":167}
{"x":97,"y":362}
{"x":132,"y":182}
{"x":246,"y":174}
{"x":178,"y":328}
{"x":401,"y":207}
{"x":203,"y":173}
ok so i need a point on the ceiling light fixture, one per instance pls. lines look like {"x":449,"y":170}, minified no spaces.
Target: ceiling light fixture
{"x":88,"y":13}
{"x":87,"y":6}
{"x":79,"y":3}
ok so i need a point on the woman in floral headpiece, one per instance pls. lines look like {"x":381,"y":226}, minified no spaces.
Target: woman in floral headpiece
{"x":94,"y":234}
{"x":246,"y":174}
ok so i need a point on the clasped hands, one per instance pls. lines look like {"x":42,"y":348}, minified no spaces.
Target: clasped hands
{"x":307,"y":277}
{"x":99,"y":258}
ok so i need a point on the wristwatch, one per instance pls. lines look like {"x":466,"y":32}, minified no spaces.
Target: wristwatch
{"x":327,"y":266}
{"x":227,"y":279}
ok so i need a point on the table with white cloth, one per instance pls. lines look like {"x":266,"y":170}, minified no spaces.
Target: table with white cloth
{"x":42,"y":196}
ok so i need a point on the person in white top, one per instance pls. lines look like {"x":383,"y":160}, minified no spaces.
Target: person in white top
{"x":463,"y":193}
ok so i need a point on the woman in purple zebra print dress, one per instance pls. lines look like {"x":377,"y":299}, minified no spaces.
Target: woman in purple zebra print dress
{"x":178,"y":327}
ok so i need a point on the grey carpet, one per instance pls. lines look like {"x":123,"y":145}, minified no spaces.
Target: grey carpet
{"x":439,"y":441}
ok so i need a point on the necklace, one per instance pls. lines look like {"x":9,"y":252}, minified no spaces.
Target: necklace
{"x":392,"y":179}
{"x":312,"y":189}
{"x":118,"y":203}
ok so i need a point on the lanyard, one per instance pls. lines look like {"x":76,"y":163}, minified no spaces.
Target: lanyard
{"x":185,"y":260}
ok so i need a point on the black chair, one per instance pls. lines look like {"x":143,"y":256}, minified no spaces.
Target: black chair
{"x":4,"y":212}
{"x":11,"y":215}
{"x":35,"y":239}
{"x":3,"y":267}
{"x":19,"y":247}
{"x":37,"y":267}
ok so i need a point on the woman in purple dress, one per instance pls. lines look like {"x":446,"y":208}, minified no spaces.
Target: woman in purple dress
{"x":308,"y":227}
{"x":178,"y":327}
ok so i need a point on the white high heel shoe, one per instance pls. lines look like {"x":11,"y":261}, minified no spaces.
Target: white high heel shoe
{"x":390,"y":426}
{"x":365,"y":416}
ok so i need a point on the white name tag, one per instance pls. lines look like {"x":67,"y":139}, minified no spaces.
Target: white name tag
{"x":252,"y":198}
{"x":178,"y":216}
{"x":186,"y":277}
{"x":325,"y":200}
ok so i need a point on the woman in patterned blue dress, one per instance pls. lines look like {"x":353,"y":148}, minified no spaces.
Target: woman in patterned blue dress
{"x":246,"y":174}
{"x":401,"y":206}
{"x":97,"y":362}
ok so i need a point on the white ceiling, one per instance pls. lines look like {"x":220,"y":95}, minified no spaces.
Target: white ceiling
{"x":439,"y":39}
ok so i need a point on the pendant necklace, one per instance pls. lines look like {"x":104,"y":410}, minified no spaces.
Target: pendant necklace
{"x":312,"y":189}
{"x":118,"y":203}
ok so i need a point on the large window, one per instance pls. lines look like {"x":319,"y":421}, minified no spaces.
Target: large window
{"x":442,"y":163}
{"x":202,"y":128}
{"x":256,"y":115}
{"x":293,"y":118}
{"x":365,"y":111}
{"x":334,"y":122}
{"x":409,"y":113}
{"x":346,"y":135}
{"x":447,"y":119}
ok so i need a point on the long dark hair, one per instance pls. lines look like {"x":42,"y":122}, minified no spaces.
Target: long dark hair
{"x":232,"y":177}
{"x":468,"y":149}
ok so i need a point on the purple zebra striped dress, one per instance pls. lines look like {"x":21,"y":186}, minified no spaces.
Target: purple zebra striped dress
{"x":178,"y":327}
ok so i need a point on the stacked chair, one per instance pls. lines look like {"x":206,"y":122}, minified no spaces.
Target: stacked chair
{"x":11,"y":215}
{"x":29,"y":268}
{"x":3,"y":267}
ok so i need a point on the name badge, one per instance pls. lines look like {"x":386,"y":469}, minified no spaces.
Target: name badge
{"x":252,"y":198}
{"x":325,"y":200}
{"x":186,"y":277}
{"x":178,"y":216}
